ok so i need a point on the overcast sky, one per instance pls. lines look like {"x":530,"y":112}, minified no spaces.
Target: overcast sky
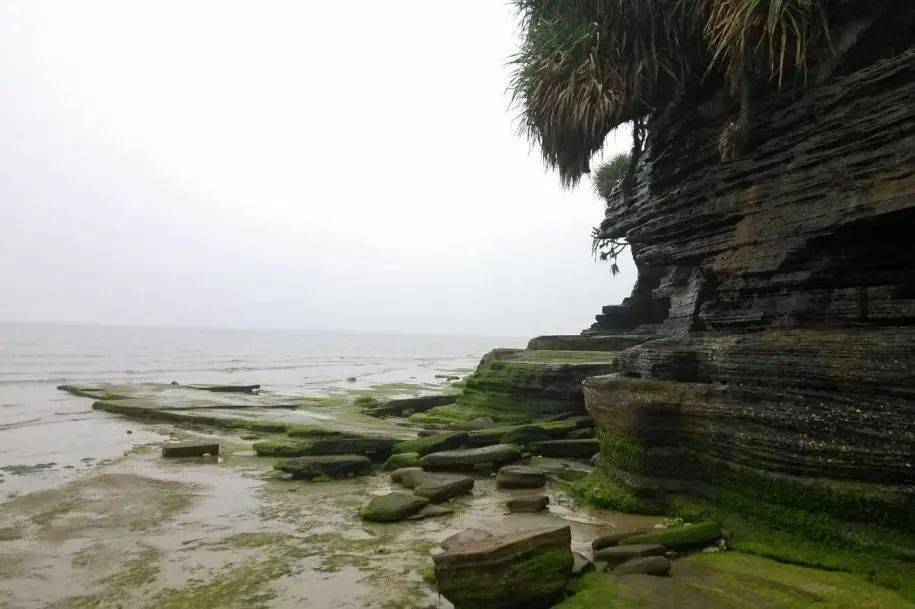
{"x":282,"y":164}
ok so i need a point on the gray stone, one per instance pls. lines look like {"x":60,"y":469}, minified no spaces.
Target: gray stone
{"x":520,"y":476}
{"x":190,"y":449}
{"x":528,"y":503}
{"x":650,"y":565}
{"x":468,"y":457}
{"x":431,"y":511}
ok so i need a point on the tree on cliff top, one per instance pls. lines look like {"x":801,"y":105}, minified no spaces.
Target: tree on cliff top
{"x":587,"y":66}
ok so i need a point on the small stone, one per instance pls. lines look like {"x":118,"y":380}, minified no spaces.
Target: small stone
{"x":528,"y":504}
{"x":392,"y":507}
{"x":520,"y":476}
{"x":190,"y":449}
{"x":621,"y":554}
{"x":650,"y":565}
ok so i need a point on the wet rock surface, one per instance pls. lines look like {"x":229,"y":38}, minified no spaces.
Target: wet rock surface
{"x":392,"y":507}
{"x":528,"y":569}
{"x":469,"y":457}
{"x":190,"y":449}
{"x":332,"y":466}
{"x":520,"y":476}
{"x":527,"y":504}
{"x":434,"y":486}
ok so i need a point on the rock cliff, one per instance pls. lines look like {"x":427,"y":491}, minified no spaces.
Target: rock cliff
{"x":782,"y":284}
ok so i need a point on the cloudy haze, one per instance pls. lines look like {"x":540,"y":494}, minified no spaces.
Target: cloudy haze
{"x":281,"y":164}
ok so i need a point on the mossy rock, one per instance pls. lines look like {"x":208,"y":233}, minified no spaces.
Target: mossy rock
{"x":401,"y":460}
{"x":524,"y":435}
{"x":325,"y":466}
{"x":679,"y":538}
{"x":432,"y":444}
{"x":376,"y":448}
{"x":392,"y":507}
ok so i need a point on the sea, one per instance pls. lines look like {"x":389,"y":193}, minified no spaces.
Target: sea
{"x":47,"y":435}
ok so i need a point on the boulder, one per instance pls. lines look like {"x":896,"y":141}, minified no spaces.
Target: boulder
{"x":432,"y":444}
{"x":613,"y":539}
{"x":468,"y":457}
{"x":190,"y":449}
{"x":374,"y":448}
{"x":620,"y":554}
{"x":527,"y":503}
{"x":521,"y":570}
{"x":650,"y":565}
{"x":401,"y":460}
{"x":579,"y":449}
{"x":468,"y":536}
{"x":520,"y":476}
{"x":332,"y":466}
{"x":435,"y":487}
{"x":392,"y":507}
{"x":684,"y":537}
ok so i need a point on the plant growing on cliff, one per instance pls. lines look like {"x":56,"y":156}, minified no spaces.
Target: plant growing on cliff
{"x":611,"y":173}
{"x":585,"y":67}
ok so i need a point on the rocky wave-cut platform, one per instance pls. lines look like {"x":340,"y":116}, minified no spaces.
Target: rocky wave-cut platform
{"x":521,"y":385}
{"x":785,"y":375}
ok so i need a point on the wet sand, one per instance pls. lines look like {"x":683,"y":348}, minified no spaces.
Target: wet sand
{"x":142,"y":531}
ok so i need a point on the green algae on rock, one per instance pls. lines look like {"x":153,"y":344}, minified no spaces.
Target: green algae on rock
{"x":331,"y":466}
{"x":527,"y":569}
{"x":679,"y":538}
{"x":431,"y":444}
{"x":401,"y":460}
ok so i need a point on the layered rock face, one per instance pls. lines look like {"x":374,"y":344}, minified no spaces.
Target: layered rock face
{"x":786,"y":277}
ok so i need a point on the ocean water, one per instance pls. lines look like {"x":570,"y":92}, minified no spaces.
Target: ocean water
{"x":47,"y":435}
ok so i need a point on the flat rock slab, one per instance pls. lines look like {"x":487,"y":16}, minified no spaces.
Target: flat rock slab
{"x":432,"y":444}
{"x":520,"y":476}
{"x":436,"y":487}
{"x":223,"y":388}
{"x":466,"y":537}
{"x":650,"y":565}
{"x":561,"y":469}
{"x":613,"y":539}
{"x":620,"y":554}
{"x":333,"y":466}
{"x":375,"y":448}
{"x":528,"y":503}
{"x":419,"y":404}
{"x":579,"y":449}
{"x":468,"y":457}
{"x":392,"y":507}
{"x":526,"y":569}
{"x":190,"y":449}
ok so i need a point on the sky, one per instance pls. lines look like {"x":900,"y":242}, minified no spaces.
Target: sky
{"x":281,"y":164}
